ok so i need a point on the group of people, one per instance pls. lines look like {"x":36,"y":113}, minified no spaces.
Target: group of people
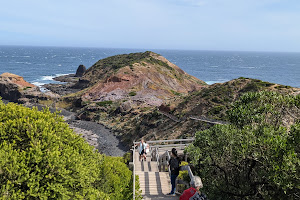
{"x":193,"y":193}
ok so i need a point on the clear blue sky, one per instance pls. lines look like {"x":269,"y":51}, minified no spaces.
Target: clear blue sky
{"x":254,"y":25}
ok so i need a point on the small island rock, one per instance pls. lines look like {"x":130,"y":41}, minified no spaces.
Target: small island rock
{"x":80,"y":71}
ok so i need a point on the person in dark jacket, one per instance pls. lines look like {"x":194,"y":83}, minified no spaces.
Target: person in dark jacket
{"x":174,"y":167}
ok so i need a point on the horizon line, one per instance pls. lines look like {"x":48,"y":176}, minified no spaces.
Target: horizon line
{"x":147,"y":49}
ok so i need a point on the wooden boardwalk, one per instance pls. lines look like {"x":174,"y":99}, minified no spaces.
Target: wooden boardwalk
{"x":198,"y":118}
{"x":154,"y":184}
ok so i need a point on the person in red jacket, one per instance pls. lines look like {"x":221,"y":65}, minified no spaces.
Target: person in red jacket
{"x":193,"y":193}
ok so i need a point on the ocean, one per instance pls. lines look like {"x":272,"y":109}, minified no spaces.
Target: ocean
{"x":39,"y":65}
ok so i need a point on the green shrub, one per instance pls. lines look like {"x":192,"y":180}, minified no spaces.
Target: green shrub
{"x":248,"y":163}
{"x":175,"y":93}
{"x":261,"y":107}
{"x":283,"y":86}
{"x":132,"y":93}
{"x":254,"y":158}
{"x":42,"y":158}
{"x":25,"y":88}
{"x":104,"y":103}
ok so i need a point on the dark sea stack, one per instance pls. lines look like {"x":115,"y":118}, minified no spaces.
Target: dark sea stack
{"x":80,"y":71}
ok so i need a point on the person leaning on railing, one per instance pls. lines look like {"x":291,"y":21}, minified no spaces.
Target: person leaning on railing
{"x":174,"y":163}
{"x":193,"y":193}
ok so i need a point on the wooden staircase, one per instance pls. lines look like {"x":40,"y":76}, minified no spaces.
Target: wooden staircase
{"x":154,"y":184}
{"x":153,"y":174}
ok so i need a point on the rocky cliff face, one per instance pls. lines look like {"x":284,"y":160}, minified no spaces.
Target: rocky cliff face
{"x":15,"y":88}
{"x":143,"y":78}
{"x":15,"y":79}
{"x":12,"y":87}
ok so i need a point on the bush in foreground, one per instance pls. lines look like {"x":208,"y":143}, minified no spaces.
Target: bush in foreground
{"x":42,"y":158}
{"x":255,"y":157}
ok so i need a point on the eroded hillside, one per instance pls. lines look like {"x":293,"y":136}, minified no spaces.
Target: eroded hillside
{"x":174,"y":119}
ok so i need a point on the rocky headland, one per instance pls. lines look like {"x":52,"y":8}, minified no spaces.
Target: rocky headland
{"x":125,"y":97}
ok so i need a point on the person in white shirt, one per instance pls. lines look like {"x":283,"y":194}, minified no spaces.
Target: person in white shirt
{"x":142,"y":150}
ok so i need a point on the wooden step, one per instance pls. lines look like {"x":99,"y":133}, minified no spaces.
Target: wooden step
{"x":154,"y":183}
{"x":146,"y":166}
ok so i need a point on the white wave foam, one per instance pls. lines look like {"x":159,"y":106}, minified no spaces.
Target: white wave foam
{"x":27,"y":63}
{"x":217,"y":81}
{"x":247,"y":67}
{"x":38,"y":83}
{"x":56,"y":75}
{"x":211,"y":82}
{"x":48,"y":78}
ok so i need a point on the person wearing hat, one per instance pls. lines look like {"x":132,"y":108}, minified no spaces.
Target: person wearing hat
{"x":174,"y":167}
{"x":193,"y":193}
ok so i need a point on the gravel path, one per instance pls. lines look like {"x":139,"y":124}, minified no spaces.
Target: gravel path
{"x":99,"y":136}
{"x":96,"y":135}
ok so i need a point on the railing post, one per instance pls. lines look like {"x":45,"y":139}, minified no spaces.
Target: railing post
{"x":133,"y":172}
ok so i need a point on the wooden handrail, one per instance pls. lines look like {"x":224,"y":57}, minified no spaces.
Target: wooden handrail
{"x":174,"y":140}
{"x":171,"y":145}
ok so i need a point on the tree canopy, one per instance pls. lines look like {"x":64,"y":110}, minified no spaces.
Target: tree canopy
{"x":257,"y":156}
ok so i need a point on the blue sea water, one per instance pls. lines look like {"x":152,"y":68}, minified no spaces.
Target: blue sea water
{"x":39,"y":65}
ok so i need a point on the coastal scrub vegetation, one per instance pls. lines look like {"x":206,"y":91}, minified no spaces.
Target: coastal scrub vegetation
{"x":257,"y":155}
{"x":42,"y":158}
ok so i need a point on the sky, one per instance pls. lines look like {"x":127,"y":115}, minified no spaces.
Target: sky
{"x":236,"y":25}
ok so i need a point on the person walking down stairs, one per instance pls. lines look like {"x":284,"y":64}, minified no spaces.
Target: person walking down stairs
{"x":142,"y":150}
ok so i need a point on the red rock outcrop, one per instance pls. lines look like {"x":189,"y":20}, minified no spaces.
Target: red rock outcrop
{"x":15,"y":88}
{"x":150,"y":79}
{"x":15,"y":79}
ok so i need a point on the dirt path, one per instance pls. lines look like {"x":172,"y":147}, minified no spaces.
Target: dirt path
{"x":99,"y":136}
